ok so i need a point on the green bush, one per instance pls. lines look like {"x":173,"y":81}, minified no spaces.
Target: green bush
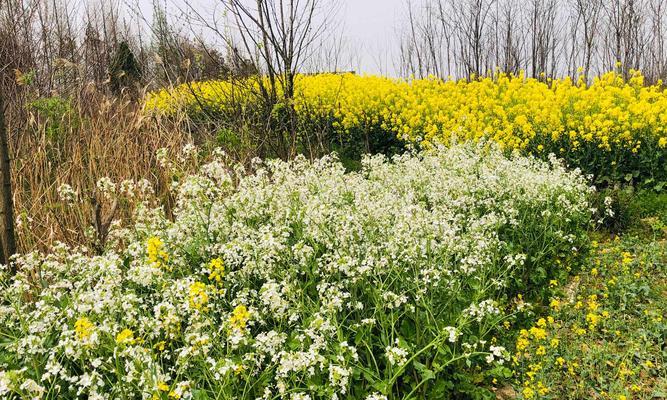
{"x":57,"y":115}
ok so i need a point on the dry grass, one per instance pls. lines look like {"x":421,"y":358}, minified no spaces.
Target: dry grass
{"x":102,"y":138}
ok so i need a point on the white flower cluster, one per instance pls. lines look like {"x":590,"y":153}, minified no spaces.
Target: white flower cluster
{"x":497,"y":354}
{"x":396,"y":355}
{"x":294,"y":282}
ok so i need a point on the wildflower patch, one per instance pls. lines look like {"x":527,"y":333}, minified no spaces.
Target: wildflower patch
{"x":304,"y":281}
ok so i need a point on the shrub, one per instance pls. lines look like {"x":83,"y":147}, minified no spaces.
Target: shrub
{"x":56,"y":114}
{"x":301,"y":281}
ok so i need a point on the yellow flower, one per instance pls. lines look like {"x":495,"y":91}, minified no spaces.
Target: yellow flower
{"x":239,"y":318}
{"x":624,"y":371}
{"x":155,"y":250}
{"x":162,"y":386}
{"x":542,"y":390}
{"x":198,"y":296}
{"x":217,"y":269}
{"x":160,"y":346}
{"x":125,"y":336}
{"x":538,"y":333}
{"x":83,"y":328}
{"x":560,"y":361}
{"x":627,"y":258}
{"x":528,"y":393}
{"x":238,"y":369}
{"x":593,"y":305}
{"x":606,"y":115}
{"x":592,"y":319}
{"x":522,"y":343}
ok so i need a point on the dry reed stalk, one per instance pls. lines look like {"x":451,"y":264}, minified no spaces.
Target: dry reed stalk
{"x":112,"y":138}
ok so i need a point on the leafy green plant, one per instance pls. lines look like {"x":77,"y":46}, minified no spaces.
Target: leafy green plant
{"x":56,"y":114}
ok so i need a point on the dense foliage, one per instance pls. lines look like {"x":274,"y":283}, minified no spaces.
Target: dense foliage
{"x":302,"y":281}
{"x":611,"y":128}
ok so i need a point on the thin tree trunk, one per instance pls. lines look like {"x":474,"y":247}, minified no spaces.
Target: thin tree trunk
{"x":7,"y":205}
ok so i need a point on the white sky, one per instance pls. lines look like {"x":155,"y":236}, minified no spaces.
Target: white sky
{"x":374,"y":25}
{"x":370,"y":28}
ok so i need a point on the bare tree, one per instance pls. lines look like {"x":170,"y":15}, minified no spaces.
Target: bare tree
{"x":508,"y":37}
{"x":448,"y":37}
{"x":624,"y":37}
{"x":470,"y":18}
{"x":7,"y":237}
{"x":546,"y":38}
{"x":656,"y":62}
{"x":279,"y":36}
{"x":542,"y":19}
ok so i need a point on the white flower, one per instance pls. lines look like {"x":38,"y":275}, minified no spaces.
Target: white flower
{"x":339,"y":377}
{"x":107,"y":187}
{"x":396,"y":355}
{"x":308,"y":248}
{"x":33,"y":388}
{"x":162,"y":155}
{"x":67,"y":194}
{"x":453,"y":333}
{"x":4,"y":383}
{"x":497,"y":352}
{"x":270,"y":342}
{"x":271,"y":296}
{"x":189,"y":150}
{"x":482,"y":310}
{"x":376,"y":396}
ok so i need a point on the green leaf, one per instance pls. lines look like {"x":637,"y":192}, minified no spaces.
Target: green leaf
{"x":424,"y":371}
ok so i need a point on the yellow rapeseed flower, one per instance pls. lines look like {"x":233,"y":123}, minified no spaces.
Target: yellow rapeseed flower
{"x":126,"y":336}
{"x":155,"y":251}
{"x":609,"y":115}
{"x":217,"y":268}
{"x":198,"y":298}
{"x":239,"y":318}
{"x":83,"y":328}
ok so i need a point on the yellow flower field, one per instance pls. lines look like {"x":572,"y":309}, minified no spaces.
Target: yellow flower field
{"x":610,"y":127}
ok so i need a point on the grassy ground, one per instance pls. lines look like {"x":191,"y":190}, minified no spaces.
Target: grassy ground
{"x":604,"y":333}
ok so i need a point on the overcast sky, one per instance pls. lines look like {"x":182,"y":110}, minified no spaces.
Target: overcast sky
{"x":370,"y":27}
{"x":374,"y":25}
